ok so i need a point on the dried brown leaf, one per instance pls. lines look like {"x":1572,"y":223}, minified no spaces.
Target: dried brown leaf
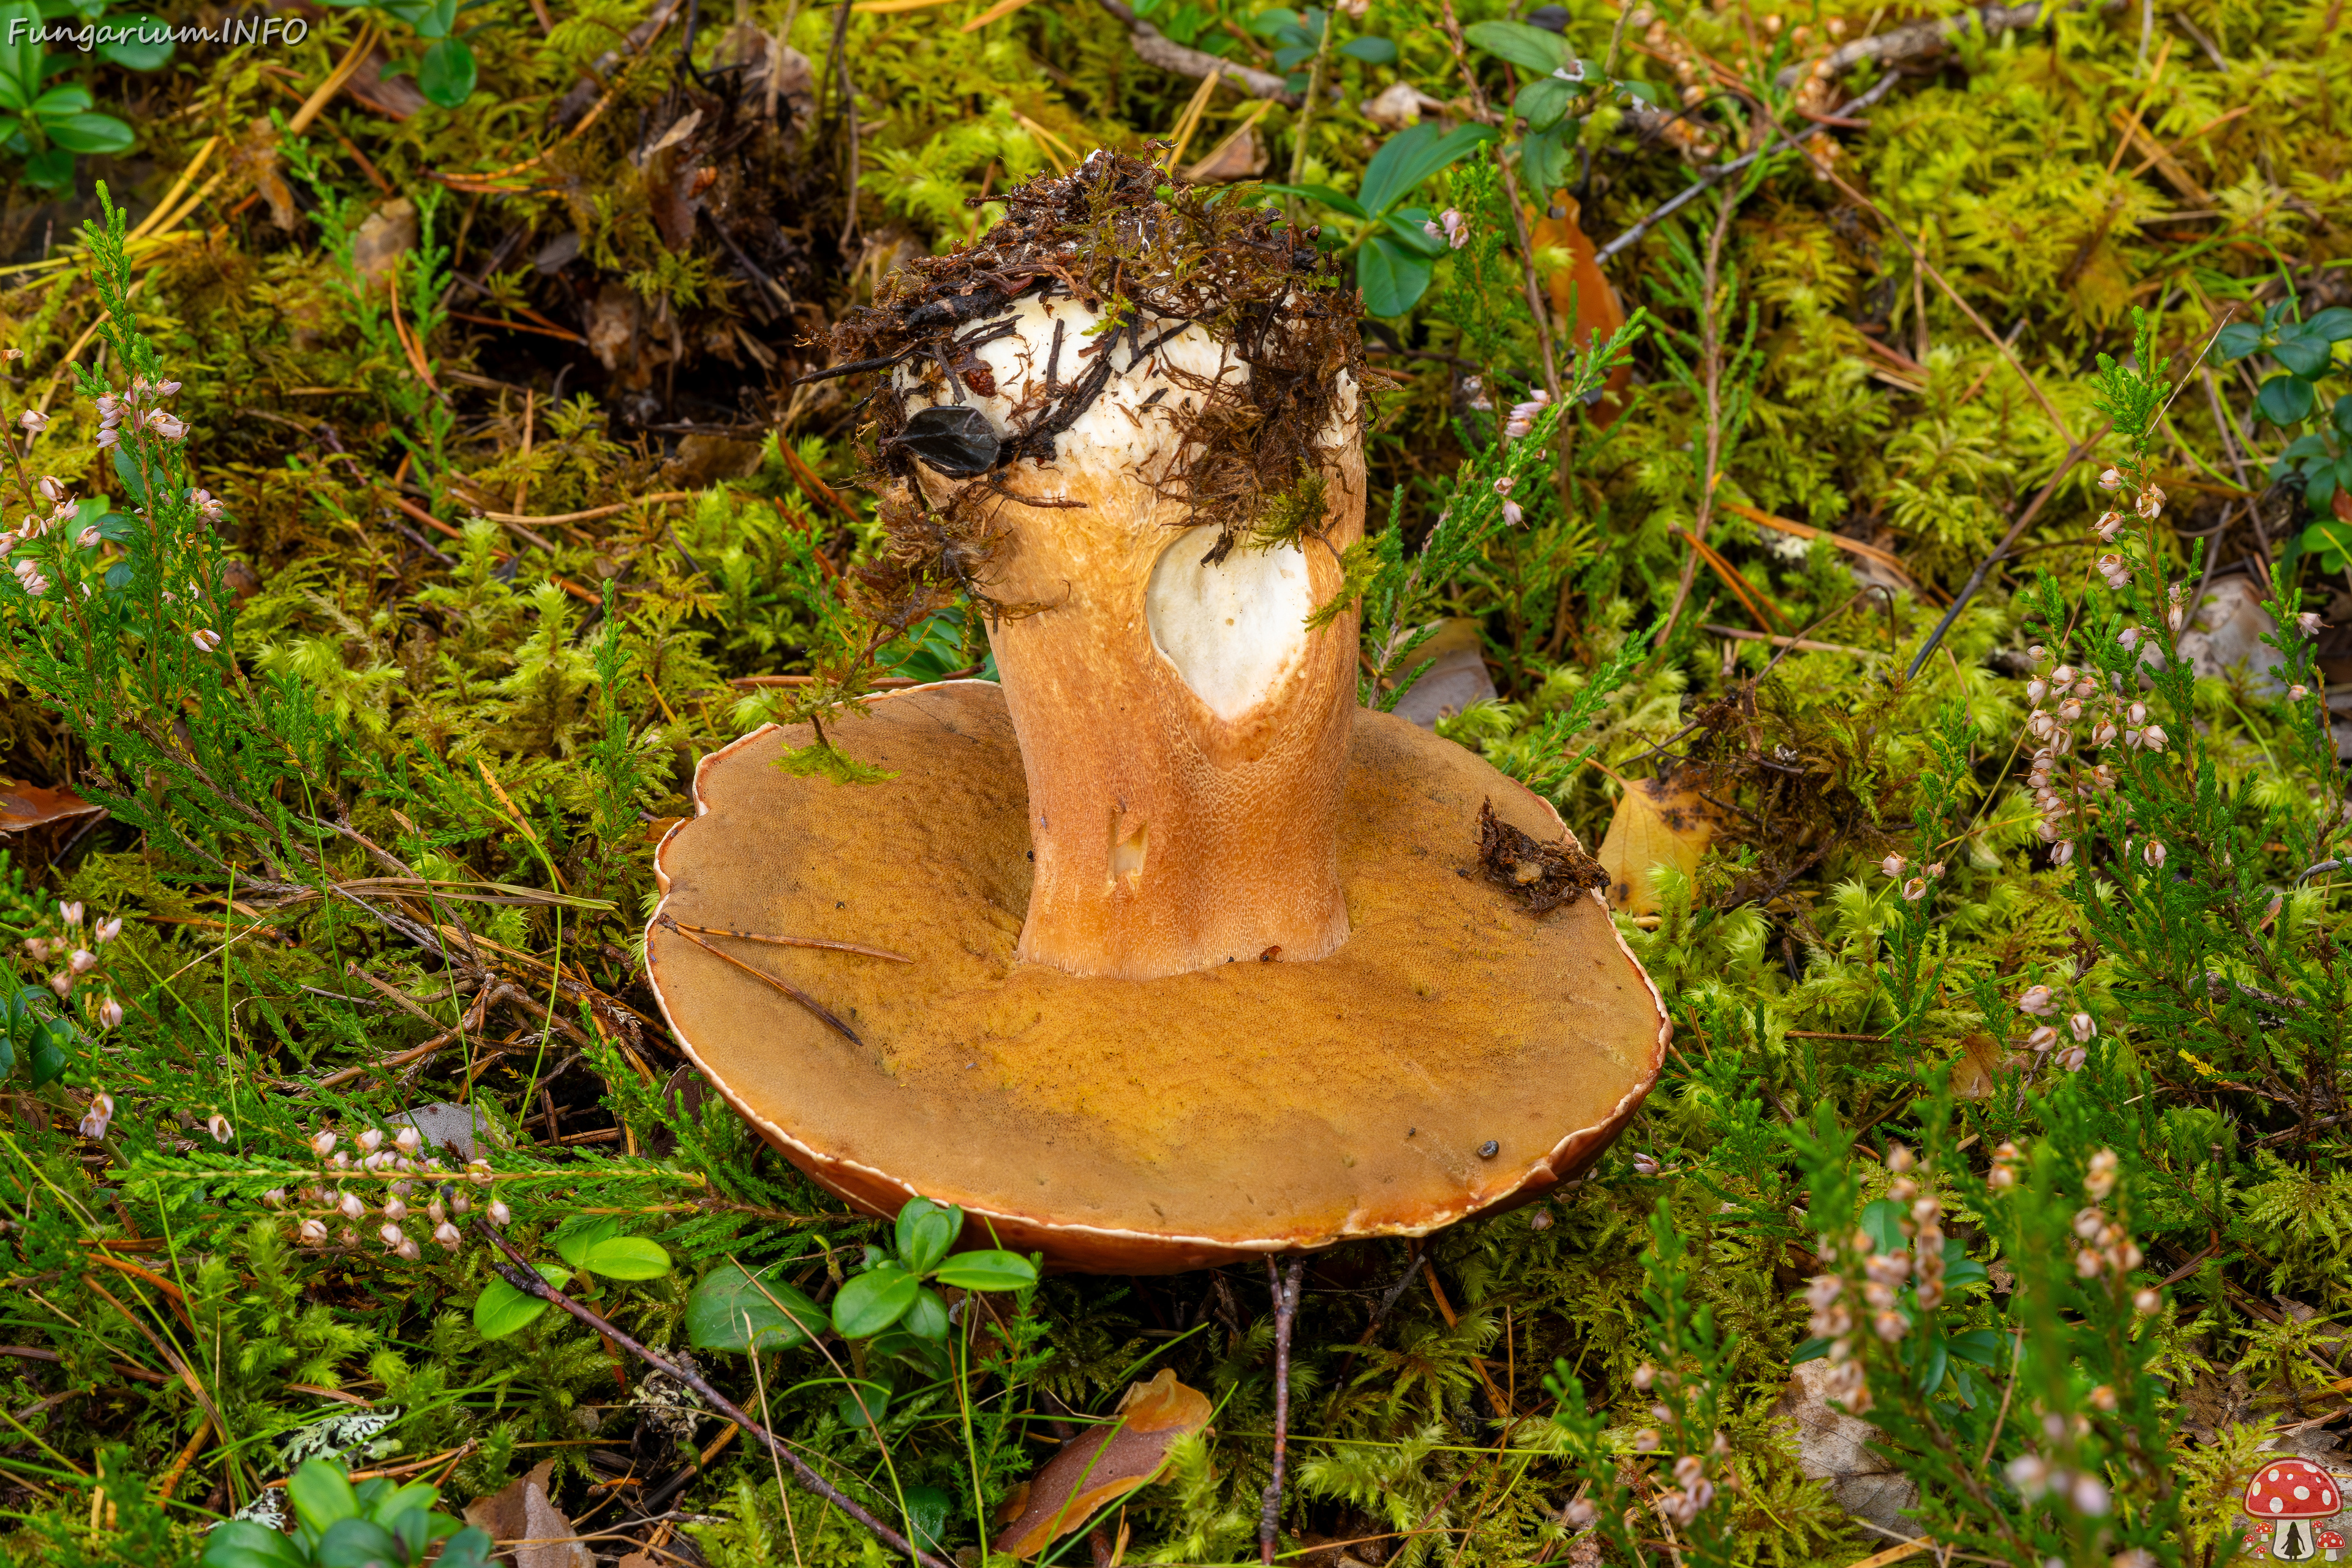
{"x":1101,"y":1465}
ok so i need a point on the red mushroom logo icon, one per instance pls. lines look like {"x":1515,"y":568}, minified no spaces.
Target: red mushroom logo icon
{"x":2289,"y":1495}
{"x":2332,"y":1543}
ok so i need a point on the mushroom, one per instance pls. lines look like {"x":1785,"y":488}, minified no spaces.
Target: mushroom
{"x":2288,"y":1494}
{"x":2331,"y":1541}
{"x":1201,"y":961}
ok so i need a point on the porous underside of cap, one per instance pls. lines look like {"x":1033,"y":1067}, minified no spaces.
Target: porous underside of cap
{"x":1141,"y":1126}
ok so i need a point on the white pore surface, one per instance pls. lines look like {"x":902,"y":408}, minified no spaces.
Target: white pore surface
{"x":1118,"y":433}
{"x":1233,"y":631}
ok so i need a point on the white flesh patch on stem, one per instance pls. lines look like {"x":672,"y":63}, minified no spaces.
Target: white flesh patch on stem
{"x":1233,"y":631}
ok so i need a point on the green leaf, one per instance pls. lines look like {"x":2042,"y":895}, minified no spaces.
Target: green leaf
{"x":928,"y":1318}
{"x":1291,"y":54}
{"x":873,"y":1302}
{"x":414,"y":1498}
{"x":928,"y":1510}
{"x":1337,"y":201}
{"x":925,"y":1231}
{"x":991,"y":1269}
{"x":135,"y":53}
{"x":50,"y":169}
{"x":1981,"y":1346}
{"x":1371,"y":51}
{"x":1411,"y":156}
{"x":2334,"y":324}
{"x":2237,"y":340}
{"x":357,"y":1543}
{"x":1406,"y":229}
{"x":1812,"y":1350}
{"x":472,"y":1547}
{"x":2343,"y":414}
{"x":501,"y":1309}
{"x":2320,"y":489}
{"x":626,"y":1257}
{"x":242,"y":1543}
{"x":2304,"y":351}
{"x":2284,"y":399}
{"x":1931,"y":1375}
{"x":1543,"y":102}
{"x":1882,"y":1221}
{"x":574,"y":1241}
{"x":2330,"y":539}
{"x":1529,"y":48}
{"x":731,"y":1310}
{"x":60,"y":101}
{"x":1266,"y":24}
{"x":446,"y":75}
{"x":128,"y":472}
{"x":321,"y":1494}
{"x":871,"y":1400}
{"x":1543,"y":157}
{"x":91,"y":133}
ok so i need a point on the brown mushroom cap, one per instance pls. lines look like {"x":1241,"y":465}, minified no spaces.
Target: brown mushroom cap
{"x":1140,"y":1125}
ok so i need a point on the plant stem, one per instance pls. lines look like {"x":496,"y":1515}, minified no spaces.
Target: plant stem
{"x":518,"y":1273}
{"x":1306,"y":118}
{"x":1285,"y":1285}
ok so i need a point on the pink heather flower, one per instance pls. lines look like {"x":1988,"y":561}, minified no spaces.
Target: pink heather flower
{"x":205,"y":639}
{"x":2090,"y":1496}
{"x":448,"y":1235}
{"x":108,"y":930}
{"x":34,"y":583}
{"x":498,"y":1213}
{"x":2062,"y":852}
{"x":53,"y":490}
{"x":94,"y":1120}
{"x":2153,"y":738}
{"x":217,"y":1125}
{"x":1502,"y":486}
{"x":2038,"y":1000}
{"x":89,"y":538}
{"x":1512,"y":514}
{"x":108,"y":435}
{"x":34,"y":420}
{"x":352,"y":1206}
{"x":2036,"y":689}
{"x":1893,"y":864}
{"x":1523,"y":415}
{"x":2084,"y":1025}
{"x":167,"y":426}
{"x":2308,"y":624}
{"x":38,"y":946}
{"x":392,"y":1233}
{"x":1646,"y":1163}
{"x":2113,"y":569}
{"x":371,"y":1141}
{"x":2151,"y":502}
{"x":1935,"y":869}
{"x":1915,"y":889}
{"x":2298,"y":692}
{"x":2107,"y":525}
{"x":2154,"y":854}
{"x":72,"y":913}
{"x":1457,"y":228}
{"x":62,"y":984}
{"x":2111,"y":481}
{"x":206,"y":503}
{"x":2130,"y":636}
{"x":322,"y":1144}
{"x":110,"y":1014}
{"x":2042,"y":1038}
{"x":82,"y":962}
{"x":408,"y":1140}
{"x":314,"y":1233}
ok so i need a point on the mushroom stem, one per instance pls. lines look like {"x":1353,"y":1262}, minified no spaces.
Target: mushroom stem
{"x":1183,"y":733}
{"x":1285,"y":1285}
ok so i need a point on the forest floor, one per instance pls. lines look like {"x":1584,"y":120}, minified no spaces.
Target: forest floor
{"x":1938,"y":614}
